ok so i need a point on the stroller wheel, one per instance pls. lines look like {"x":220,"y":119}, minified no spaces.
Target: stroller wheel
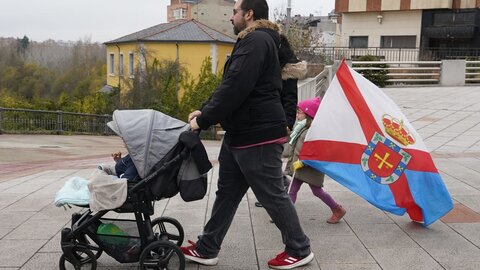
{"x":162,"y":255}
{"x":82,"y":258}
{"x":168,"y":229}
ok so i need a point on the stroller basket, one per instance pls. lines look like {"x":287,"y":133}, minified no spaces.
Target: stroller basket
{"x":119,"y":238}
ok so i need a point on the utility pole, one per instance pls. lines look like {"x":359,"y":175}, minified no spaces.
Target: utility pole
{"x":289,"y":14}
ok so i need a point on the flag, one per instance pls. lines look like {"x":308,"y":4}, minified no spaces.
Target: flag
{"x":362,"y":140}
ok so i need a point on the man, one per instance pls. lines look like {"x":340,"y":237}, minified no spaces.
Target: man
{"x":247,"y":104}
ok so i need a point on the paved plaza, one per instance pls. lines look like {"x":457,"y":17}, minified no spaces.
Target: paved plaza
{"x":34,"y":167}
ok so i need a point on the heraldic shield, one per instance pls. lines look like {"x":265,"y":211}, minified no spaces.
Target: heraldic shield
{"x":384,"y":161}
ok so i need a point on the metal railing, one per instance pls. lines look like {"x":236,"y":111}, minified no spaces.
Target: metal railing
{"x":315,"y":87}
{"x":52,"y":122}
{"x":330,"y":54}
{"x":405,"y":72}
{"x":23,"y":121}
{"x":472,"y":72}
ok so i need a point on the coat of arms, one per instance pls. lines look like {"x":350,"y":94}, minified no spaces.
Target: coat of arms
{"x":384,"y":161}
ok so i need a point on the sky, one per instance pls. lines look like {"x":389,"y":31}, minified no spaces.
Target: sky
{"x":104,"y":20}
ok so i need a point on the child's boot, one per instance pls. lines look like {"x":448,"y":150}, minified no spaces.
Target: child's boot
{"x":337,"y":215}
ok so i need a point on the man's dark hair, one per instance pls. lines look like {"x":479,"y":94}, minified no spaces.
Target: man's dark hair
{"x":259,"y":7}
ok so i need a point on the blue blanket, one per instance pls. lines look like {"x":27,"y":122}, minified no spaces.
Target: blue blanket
{"x":74,"y":191}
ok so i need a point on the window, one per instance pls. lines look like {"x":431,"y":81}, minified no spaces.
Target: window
{"x":450,"y":19}
{"x":180,"y":13}
{"x":130,"y":64}
{"x":112,"y":63}
{"x":464,"y":18}
{"x":398,"y":41}
{"x":359,"y":42}
{"x":120,"y":65}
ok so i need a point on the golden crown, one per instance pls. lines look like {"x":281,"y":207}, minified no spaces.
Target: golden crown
{"x":395,"y":128}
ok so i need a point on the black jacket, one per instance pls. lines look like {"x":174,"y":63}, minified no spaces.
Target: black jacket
{"x":247,"y":102}
{"x":125,"y":168}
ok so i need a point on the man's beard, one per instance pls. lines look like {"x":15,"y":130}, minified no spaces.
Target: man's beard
{"x":240,"y":27}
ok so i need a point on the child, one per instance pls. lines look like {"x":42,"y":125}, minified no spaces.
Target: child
{"x":301,"y":173}
{"x":124,"y":167}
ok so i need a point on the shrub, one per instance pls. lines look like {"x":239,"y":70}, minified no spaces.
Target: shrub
{"x":377,"y":76}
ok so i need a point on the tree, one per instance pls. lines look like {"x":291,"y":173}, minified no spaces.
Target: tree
{"x":70,"y":84}
{"x":197,"y":92}
{"x":297,"y":32}
{"x":300,"y":36}
{"x":22,"y":45}
{"x":154,"y":85}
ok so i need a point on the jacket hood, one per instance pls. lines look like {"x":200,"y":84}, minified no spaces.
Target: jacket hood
{"x":294,"y":71}
{"x":264,"y":24}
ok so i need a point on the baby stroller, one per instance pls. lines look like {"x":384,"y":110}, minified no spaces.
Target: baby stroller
{"x":169,"y":159}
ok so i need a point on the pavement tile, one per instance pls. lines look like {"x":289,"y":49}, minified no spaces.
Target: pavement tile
{"x":366,"y":214}
{"x":43,"y":261}
{"x":318,"y":228}
{"x":38,"y":181}
{"x":470,"y":162}
{"x":176,"y":203}
{"x":14,"y":253}
{"x":30,"y":203}
{"x":229,"y":267}
{"x":187,"y":216}
{"x":5,"y":231}
{"x":244,"y":250}
{"x":53,"y":245}
{"x":461,"y":265}
{"x":37,"y":230}
{"x":349,"y":266}
{"x":456,"y":188}
{"x":57,"y":213}
{"x":404,"y":258}
{"x":267,"y":237}
{"x":442,"y":242}
{"x":8,"y":199}
{"x":382,"y":236}
{"x":14,"y":182}
{"x":468,"y":230}
{"x":470,"y":201}
{"x":11,"y":219}
{"x":340,"y":249}
{"x":461,"y":214}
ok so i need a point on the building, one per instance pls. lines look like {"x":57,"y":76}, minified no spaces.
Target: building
{"x":322,"y":29}
{"x":187,"y":41}
{"x":424,"y":24}
{"x":213,"y":13}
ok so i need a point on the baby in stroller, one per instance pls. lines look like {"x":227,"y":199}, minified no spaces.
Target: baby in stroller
{"x":168,"y":159}
{"x":123,"y":167}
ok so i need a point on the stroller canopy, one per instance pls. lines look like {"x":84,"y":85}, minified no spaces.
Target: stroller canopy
{"x":147,"y":134}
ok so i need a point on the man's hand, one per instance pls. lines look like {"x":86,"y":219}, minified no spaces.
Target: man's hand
{"x":193,"y":124}
{"x":193,"y":115}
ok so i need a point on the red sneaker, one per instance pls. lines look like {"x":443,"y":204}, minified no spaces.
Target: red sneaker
{"x":192,"y":255}
{"x":285,"y":261}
